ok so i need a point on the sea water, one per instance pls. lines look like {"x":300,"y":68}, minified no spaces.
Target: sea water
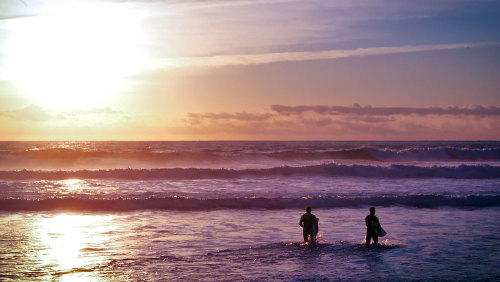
{"x":230,"y":210}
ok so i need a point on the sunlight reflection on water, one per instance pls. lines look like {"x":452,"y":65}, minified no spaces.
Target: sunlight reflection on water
{"x":69,"y":243}
{"x":73,"y":186}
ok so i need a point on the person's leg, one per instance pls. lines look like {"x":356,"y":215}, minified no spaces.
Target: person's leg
{"x":311,"y":237}
{"x":305,"y":236}
{"x":375,"y":237}
{"x":368,"y":237}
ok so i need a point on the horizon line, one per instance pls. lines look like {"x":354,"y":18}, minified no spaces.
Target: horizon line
{"x":263,"y":140}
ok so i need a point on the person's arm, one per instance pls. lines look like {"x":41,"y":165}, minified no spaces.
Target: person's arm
{"x":316,"y":223}
{"x":366,"y":222}
{"x":301,"y":222}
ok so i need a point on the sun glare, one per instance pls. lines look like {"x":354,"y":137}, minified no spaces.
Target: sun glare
{"x":75,"y":56}
{"x":64,"y":240}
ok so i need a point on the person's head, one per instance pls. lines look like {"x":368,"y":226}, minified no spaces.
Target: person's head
{"x":372,"y":210}
{"x":308,"y":209}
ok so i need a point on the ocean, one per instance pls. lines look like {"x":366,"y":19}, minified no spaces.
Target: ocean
{"x":224,"y":210}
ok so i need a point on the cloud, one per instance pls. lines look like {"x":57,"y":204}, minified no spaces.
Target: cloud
{"x":94,"y":111}
{"x":268,"y":58}
{"x":29,"y":113}
{"x":386,"y":111}
{"x":348,"y":123}
{"x":319,"y":122}
{"x":327,"y":115}
{"x":230,"y":116}
{"x":87,"y":113}
{"x":372,"y":119}
{"x":225,"y":3}
{"x":38,"y":114}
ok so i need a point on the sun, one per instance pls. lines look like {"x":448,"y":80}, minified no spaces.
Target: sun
{"x":77,"y":55}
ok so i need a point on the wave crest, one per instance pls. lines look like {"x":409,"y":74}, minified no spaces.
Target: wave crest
{"x":117,"y":157}
{"x":326,"y":170}
{"x":180,"y":203}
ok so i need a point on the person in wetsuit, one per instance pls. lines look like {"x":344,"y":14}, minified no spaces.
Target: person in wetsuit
{"x":307,"y":221}
{"x":372,"y":227}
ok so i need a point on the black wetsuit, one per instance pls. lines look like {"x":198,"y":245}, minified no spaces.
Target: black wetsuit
{"x":372,"y":228}
{"x":307,"y":221}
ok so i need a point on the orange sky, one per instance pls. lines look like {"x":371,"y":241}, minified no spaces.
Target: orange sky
{"x":249,"y":70}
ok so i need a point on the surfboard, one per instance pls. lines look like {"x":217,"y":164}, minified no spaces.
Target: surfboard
{"x":382,"y":232}
{"x":315,"y":231}
{"x":375,"y":226}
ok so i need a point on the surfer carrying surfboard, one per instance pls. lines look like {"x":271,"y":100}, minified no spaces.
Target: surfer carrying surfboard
{"x":309,"y":223}
{"x":373,"y":227}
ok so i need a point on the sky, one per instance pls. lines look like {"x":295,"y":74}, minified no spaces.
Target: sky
{"x":249,"y":70}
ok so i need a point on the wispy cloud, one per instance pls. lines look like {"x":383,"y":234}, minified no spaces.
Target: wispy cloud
{"x":352,"y":122}
{"x":93,"y":111}
{"x":267,"y":58}
{"x":39,"y":114}
{"x":355,"y":112}
{"x":29,"y":113}
{"x":219,"y":3}
{"x":230,"y":116}
{"x":387,"y":111}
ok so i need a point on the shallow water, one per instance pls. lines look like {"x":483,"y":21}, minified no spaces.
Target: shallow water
{"x":451,"y":244}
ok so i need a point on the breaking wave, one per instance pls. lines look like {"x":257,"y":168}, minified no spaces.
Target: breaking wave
{"x":64,"y":157}
{"x":412,"y":154}
{"x":181,"y":203}
{"x":326,"y":170}
{"x":436,"y":154}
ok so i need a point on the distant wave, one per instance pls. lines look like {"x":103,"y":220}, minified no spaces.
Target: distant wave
{"x":411,"y":154}
{"x":435,"y":154}
{"x":64,"y":156}
{"x":180,"y":203}
{"x":327,"y":170}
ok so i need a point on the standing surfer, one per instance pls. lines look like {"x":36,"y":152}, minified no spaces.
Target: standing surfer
{"x":373,"y":228}
{"x":309,"y":223}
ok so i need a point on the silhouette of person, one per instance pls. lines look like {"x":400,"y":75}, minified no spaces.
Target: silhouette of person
{"x":308,"y":221}
{"x":373,"y":227}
